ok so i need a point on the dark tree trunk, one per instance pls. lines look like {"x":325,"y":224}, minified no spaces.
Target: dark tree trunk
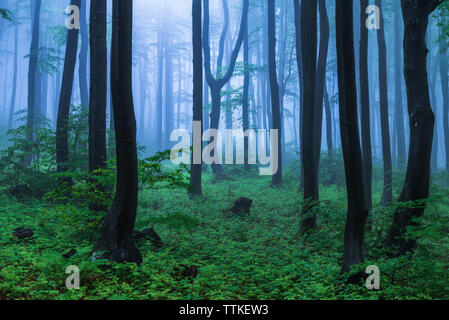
{"x":196,"y":170}
{"x":117,"y":234}
{"x":32,"y":72}
{"x":216,"y":85}
{"x":82,"y":71}
{"x":365,"y":108}
{"x":357,"y":210}
{"x":422,"y":120}
{"x":321,"y":78}
{"x":245,"y":97}
{"x":14,"y":81}
{"x":387,"y":195}
{"x":98,"y":88}
{"x":62,"y":130}
{"x":308,"y":146}
{"x":275,"y":102}
{"x":398,"y":75}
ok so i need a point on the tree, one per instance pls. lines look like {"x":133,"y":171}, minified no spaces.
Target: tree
{"x":245,"y":96}
{"x":274,"y":85}
{"x":32,"y":71}
{"x":62,"y":130}
{"x":352,"y":154}
{"x":98,"y":86}
{"x":321,"y":78}
{"x":117,"y":234}
{"x":309,"y":141}
{"x":82,"y":71}
{"x":422,"y":121}
{"x":398,"y":75}
{"x":365,"y":107}
{"x":387,"y":195}
{"x":216,"y":84}
{"x":196,"y":169}
{"x":14,"y":81}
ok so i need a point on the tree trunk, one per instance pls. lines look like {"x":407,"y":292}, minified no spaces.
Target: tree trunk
{"x":98,"y":88}
{"x":422,"y":120}
{"x":216,"y":85}
{"x":62,"y":130}
{"x":117,"y":234}
{"x":245,"y":97}
{"x":275,"y":103}
{"x":357,"y":210}
{"x":14,"y":81}
{"x":365,"y":108}
{"x":196,"y":169}
{"x":82,"y":71}
{"x":387,"y":195}
{"x":32,"y":73}
{"x":308,"y":146}
{"x":321,"y":78}
{"x":398,"y":75}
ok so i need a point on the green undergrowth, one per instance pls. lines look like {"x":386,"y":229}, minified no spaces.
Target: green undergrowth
{"x":260,"y":256}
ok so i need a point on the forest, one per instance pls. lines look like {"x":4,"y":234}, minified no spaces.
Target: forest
{"x":224,"y":150}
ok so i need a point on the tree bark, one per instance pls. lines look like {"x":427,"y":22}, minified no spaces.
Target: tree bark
{"x":14,"y":81}
{"x":98,"y":88}
{"x":62,"y":130}
{"x":309,"y":122}
{"x":387,"y":195}
{"x":196,"y":169}
{"x":117,"y":234}
{"x":82,"y":71}
{"x":275,"y":103}
{"x":367,"y":157}
{"x":32,"y":73}
{"x":422,"y":120}
{"x":398,"y":75}
{"x":357,"y":210}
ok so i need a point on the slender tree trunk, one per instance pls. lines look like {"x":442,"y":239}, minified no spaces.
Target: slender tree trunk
{"x":82,"y":71}
{"x":117,"y":234}
{"x":159,"y":93}
{"x":216,"y":85}
{"x":308,"y":149}
{"x":398,"y":75}
{"x":14,"y":81}
{"x":32,"y":72}
{"x":196,"y":170}
{"x":98,"y":88}
{"x":62,"y":130}
{"x":321,"y":78}
{"x":422,"y":120}
{"x":365,"y":107}
{"x":357,"y":210}
{"x":387,"y":195}
{"x":275,"y":101}
{"x":245,"y":97}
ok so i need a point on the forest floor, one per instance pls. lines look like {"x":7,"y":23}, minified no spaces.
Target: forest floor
{"x":209,"y":254}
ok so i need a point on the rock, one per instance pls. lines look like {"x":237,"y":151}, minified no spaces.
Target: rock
{"x":242,"y":205}
{"x":69,"y":254}
{"x":23,"y":233}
